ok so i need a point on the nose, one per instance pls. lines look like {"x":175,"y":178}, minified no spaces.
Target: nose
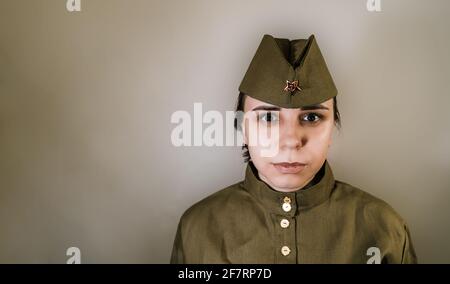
{"x":291,"y":136}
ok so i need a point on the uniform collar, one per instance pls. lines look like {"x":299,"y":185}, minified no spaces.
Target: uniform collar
{"x":318,"y":191}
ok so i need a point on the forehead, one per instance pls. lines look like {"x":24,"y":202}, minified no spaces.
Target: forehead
{"x":251,"y":103}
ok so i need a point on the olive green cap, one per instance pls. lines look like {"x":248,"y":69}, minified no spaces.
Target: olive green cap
{"x":288,"y":73}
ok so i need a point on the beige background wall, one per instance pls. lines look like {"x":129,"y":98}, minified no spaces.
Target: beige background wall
{"x":86,"y":100}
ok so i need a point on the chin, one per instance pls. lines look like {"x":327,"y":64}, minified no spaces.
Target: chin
{"x":286,"y":181}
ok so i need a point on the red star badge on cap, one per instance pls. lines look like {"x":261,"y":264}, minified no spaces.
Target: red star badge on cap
{"x":292,"y":86}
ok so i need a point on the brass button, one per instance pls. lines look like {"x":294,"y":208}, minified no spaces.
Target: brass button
{"x":285,"y":250}
{"x":287,"y":199}
{"x":286,"y":207}
{"x":284,"y":223}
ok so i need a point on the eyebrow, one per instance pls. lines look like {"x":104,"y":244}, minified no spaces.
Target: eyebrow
{"x":274,"y":108}
{"x":269,"y":108}
{"x":312,"y":107}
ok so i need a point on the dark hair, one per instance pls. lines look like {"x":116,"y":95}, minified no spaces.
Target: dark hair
{"x":240,"y":107}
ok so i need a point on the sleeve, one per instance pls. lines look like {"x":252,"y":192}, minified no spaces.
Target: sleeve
{"x":409,"y":254}
{"x":177,"y":250}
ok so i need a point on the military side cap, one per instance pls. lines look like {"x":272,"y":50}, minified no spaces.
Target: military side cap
{"x":288,"y":73}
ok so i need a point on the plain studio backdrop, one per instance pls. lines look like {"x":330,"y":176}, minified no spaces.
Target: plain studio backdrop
{"x":86,"y":158}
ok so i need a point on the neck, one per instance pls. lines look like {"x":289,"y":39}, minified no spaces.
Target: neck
{"x":313,"y":180}
{"x":307,"y":184}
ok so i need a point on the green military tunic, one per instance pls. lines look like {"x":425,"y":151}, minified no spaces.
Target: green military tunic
{"x":329,"y":221}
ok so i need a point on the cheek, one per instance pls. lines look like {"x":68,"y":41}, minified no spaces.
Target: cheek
{"x":263,"y":164}
{"x":321,"y":133}
{"x":319,"y":137}
{"x":262,"y":158}
{"x":261,"y":135}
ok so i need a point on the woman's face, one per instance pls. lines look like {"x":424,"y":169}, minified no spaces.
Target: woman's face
{"x":298,"y":140}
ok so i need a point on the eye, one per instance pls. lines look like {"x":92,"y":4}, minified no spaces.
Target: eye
{"x":268,"y":117}
{"x":311,"y":117}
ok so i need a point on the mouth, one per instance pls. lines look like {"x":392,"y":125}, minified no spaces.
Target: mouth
{"x":289,"y":168}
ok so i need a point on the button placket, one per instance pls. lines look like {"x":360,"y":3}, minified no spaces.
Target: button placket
{"x":287,"y":246}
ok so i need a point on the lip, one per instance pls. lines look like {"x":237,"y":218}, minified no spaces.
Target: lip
{"x":289,"y":168}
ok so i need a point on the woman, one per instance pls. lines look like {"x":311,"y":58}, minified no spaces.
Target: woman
{"x":289,"y":208}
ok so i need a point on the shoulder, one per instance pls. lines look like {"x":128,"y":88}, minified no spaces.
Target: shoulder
{"x":217,"y":204}
{"x":368,"y":209}
{"x":375,"y":221}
